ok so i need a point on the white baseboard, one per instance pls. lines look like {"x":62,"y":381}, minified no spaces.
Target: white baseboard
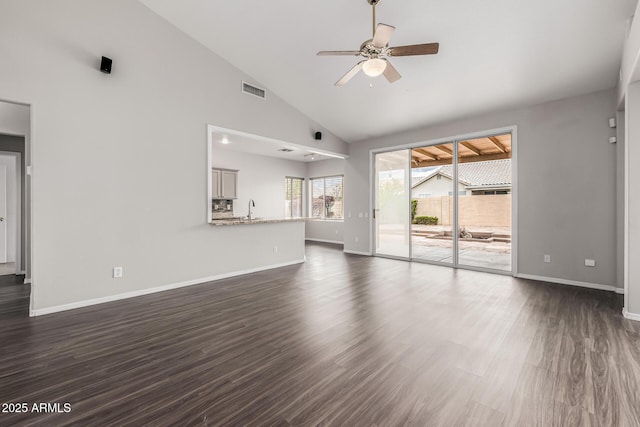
{"x":630,"y":316}
{"x":27,"y":281}
{"x":357,"y":252}
{"x":324,"y":241}
{"x":571,"y":283}
{"x":619,"y":291}
{"x":110,"y":298}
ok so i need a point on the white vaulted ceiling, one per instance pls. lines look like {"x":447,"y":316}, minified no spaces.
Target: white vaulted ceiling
{"x":494,"y":54}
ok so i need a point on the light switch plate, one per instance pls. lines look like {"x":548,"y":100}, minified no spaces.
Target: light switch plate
{"x":590,"y":262}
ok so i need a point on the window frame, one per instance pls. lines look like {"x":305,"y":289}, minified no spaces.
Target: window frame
{"x":324,"y":194}
{"x":289,"y":196}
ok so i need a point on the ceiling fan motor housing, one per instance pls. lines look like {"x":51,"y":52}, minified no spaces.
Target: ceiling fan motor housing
{"x":368,"y":50}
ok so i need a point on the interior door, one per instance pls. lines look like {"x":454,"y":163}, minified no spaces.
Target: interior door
{"x":392,"y":199}
{"x":3,"y":214}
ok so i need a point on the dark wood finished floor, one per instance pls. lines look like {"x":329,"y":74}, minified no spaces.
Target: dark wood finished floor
{"x":14,"y":296}
{"x":340,"y":340}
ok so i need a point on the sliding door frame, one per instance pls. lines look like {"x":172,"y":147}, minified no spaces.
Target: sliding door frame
{"x":373,"y":210}
{"x":454,"y":140}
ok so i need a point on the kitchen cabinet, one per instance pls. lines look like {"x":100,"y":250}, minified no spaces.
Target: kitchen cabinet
{"x":224,"y":183}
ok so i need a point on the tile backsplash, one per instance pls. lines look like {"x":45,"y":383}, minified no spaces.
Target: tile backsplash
{"x":221,"y":208}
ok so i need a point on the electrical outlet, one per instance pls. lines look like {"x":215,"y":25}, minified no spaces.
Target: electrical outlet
{"x":357,"y":239}
{"x":547,"y":258}
{"x":117,"y":272}
{"x":590,"y":262}
{"x":275,"y":249}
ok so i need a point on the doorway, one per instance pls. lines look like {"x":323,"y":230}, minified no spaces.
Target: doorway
{"x":15,"y":209}
{"x":11,"y":200}
{"x":448,"y":202}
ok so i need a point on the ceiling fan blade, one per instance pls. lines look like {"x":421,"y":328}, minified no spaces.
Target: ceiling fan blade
{"x":352,"y":72}
{"x":383,"y":35}
{"x":415,"y":49}
{"x":391,"y":73}
{"x":339,"y":52}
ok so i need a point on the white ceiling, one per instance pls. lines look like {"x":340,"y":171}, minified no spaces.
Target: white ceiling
{"x":494,"y":54}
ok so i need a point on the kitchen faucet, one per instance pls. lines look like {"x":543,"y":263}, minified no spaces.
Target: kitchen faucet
{"x":251,"y":203}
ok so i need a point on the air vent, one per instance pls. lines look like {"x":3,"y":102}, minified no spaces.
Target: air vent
{"x":285,"y":150}
{"x":254,"y":90}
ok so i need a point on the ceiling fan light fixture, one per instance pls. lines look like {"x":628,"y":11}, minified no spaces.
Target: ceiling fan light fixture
{"x":374,"y":67}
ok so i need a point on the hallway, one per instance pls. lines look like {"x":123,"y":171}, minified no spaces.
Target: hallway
{"x":14,"y":296}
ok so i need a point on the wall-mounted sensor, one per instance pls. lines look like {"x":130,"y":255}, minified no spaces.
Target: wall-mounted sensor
{"x":612,"y":122}
{"x":318,"y":136}
{"x":105,"y":65}
{"x":613,"y":140}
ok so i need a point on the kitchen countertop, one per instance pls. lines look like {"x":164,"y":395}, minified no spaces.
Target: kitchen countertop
{"x":241,"y":221}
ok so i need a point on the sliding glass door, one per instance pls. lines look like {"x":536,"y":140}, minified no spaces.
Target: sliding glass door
{"x":391,"y":214}
{"x":484,"y":202}
{"x":432,"y":211}
{"x":447,"y":203}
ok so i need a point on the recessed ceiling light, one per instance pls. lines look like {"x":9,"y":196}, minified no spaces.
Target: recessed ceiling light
{"x":225,"y":140}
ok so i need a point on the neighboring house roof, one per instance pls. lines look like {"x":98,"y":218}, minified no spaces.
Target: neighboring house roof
{"x":479,"y":174}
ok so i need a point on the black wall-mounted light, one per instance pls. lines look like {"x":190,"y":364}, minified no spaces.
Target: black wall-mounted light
{"x":105,"y":65}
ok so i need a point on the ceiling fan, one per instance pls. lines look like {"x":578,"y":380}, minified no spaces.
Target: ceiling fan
{"x":377,"y":50}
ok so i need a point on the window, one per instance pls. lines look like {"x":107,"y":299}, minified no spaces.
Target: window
{"x":327,"y":200}
{"x":293,"y":197}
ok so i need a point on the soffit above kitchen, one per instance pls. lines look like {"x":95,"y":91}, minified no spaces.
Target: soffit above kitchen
{"x":226,"y":139}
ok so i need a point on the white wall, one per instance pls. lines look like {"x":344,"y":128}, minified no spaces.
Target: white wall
{"x":632,"y":110}
{"x":119,"y":161}
{"x":628,"y":177}
{"x":562,"y":141}
{"x":10,"y":162}
{"x":327,"y":167}
{"x":325,"y":230}
{"x":620,"y":173}
{"x":630,"y":64}
{"x":260,"y":178}
{"x":14,"y":119}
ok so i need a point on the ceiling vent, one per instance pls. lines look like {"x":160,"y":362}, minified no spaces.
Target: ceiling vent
{"x":254,"y":90}
{"x":285,"y":150}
